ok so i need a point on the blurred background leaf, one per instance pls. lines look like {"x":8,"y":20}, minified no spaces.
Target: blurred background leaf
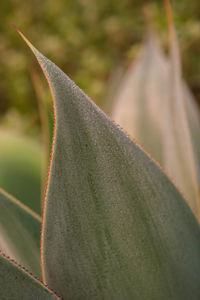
{"x":160,"y":113}
{"x":155,"y":106}
{"x":20,"y":168}
{"x":138,"y":103}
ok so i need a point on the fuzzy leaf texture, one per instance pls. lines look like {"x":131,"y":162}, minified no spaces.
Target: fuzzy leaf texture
{"x":114,"y":225}
{"x":15,"y":283}
{"x":20,"y":233}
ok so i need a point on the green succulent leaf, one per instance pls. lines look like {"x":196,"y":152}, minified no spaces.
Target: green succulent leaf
{"x":115,"y":227}
{"x":20,"y":233}
{"x":20,"y":168}
{"x":16,"y":284}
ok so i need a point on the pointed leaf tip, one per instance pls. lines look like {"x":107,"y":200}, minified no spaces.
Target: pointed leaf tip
{"x":114,"y":224}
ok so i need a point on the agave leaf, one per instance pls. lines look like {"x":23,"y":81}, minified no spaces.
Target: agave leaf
{"x":20,"y":233}
{"x":148,"y":106}
{"x":115,"y":227}
{"x":139,"y":104}
{"x":15,"y":283}
{"x":182,"y":148}
{"x":20,"y":168}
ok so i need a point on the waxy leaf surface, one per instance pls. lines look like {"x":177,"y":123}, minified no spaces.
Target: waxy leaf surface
{"x":17,"y":284}
{"x":115,"y":227}
{"x":20,"y":233}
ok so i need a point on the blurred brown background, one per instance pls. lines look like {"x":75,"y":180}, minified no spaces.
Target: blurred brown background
{"x":88,"y":39}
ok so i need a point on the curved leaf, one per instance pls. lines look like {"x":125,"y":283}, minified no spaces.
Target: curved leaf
{"x":20,"y":233}
{"x":115,"y":227}
{"x":15,"y":283}
{"x":141,"y":100}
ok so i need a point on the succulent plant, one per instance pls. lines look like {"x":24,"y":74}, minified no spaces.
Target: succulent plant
{"x":114,"y":225}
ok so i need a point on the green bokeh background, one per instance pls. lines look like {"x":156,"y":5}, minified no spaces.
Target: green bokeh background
{"x":88,"y":39}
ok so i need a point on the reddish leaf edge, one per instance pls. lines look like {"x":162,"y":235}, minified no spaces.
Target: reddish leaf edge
{"x":23,"y":269}
{"x":163,"y":170}
{"x":20,"y":204}
{"x":52,"y":151}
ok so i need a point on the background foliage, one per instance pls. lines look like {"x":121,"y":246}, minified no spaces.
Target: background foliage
{"x":88,"y":39}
